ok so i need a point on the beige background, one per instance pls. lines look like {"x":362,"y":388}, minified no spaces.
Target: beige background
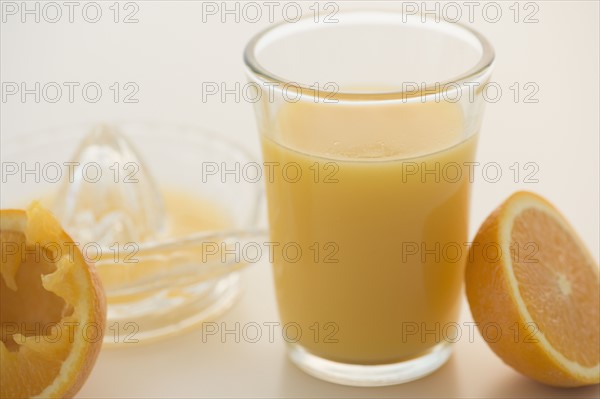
{"x":171,"y":51}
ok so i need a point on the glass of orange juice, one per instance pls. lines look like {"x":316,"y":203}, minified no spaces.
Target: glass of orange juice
{"x":369,"y":124}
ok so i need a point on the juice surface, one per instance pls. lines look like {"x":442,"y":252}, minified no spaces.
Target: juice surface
{"x":189,"y":213}
{"x":373,"y":284}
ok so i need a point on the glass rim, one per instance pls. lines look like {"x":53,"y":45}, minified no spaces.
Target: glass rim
{"x":483,"y":65}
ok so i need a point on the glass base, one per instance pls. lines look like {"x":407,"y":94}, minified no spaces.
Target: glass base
{"x":370,"y":375}
{"x":169,"y":313}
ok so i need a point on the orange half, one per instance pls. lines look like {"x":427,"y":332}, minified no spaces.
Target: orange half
{"x":52,"y":308}
{"x":532,"y":280}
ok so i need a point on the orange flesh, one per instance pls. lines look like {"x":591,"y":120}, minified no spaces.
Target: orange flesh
{"x":30,"y":310}
{"x":560,"y":289}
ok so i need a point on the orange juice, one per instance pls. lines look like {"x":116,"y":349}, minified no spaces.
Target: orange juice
{"x":382,"y":192}
{"x":186,"y":213}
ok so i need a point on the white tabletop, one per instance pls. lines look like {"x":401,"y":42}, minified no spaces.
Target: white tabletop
{"x":174,"y":48}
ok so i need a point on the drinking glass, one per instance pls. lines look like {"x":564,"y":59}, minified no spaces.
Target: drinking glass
{"x":369,"y":126}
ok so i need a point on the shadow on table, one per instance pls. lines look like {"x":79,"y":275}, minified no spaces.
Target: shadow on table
{"x":442,"y":383}
{"x":517,"y":385}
